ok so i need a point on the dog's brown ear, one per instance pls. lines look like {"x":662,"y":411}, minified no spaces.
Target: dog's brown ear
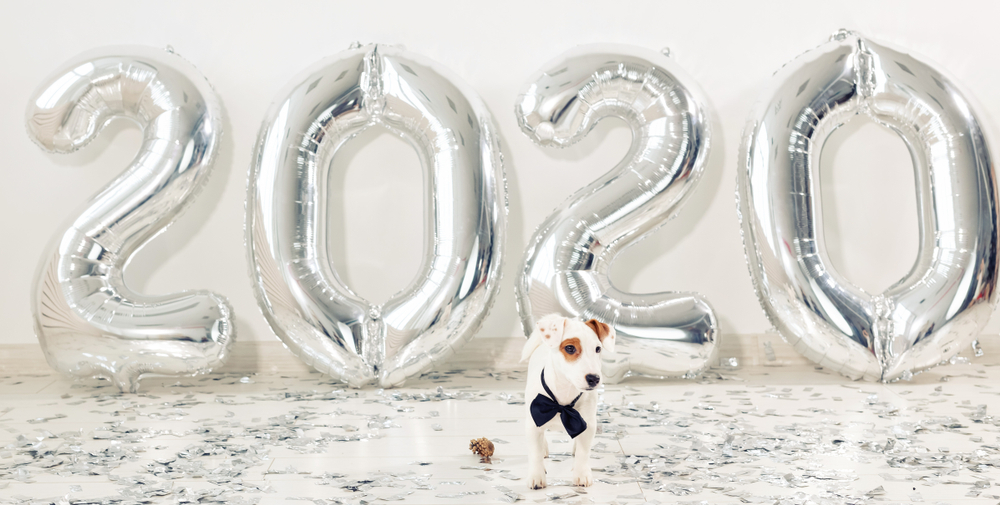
{"x":602,"y":330}
{"x":605,"y":333}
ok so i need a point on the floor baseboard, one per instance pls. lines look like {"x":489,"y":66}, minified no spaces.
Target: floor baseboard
{"x":499,"y":353}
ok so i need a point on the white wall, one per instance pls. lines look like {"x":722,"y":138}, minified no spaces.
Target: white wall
{"x":248,"y":50}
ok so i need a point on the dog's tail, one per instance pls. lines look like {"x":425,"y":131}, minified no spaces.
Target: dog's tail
{"x":533,"y":342}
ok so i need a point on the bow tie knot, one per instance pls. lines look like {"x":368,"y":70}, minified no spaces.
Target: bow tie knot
{"x":543,"y":409}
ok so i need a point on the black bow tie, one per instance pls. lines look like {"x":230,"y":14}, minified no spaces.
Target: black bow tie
{"x":543,"y":409}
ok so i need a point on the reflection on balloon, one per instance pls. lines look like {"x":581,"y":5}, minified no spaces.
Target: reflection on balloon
{"x":318,"y":317}
{"x":567,"y":261}
{"x":940,"y":306}
{"x":88,"y":322}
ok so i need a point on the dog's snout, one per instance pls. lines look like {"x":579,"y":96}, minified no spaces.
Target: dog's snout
{"x":593,"y":380}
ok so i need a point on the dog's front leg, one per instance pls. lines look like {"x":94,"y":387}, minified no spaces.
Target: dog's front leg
{"x":536,"y":450}
{"x":582,"y":475}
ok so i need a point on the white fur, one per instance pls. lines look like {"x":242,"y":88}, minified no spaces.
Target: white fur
{"x":566,"y":380}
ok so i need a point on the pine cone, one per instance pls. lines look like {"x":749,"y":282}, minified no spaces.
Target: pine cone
{"x":482,"y":446}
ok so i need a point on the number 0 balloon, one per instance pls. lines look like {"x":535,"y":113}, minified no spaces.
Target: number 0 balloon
{"x":88,"y":322}
{"x":567,"y":261}
{"x":307,"y":305}
{"x":941,"y":305}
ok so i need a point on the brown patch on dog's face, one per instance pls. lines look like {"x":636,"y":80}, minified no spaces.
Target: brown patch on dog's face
{"x":602,"y":330}
{"x":570,"y":349}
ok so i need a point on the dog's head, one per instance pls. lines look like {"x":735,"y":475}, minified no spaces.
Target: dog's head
{"x":577,"y":347}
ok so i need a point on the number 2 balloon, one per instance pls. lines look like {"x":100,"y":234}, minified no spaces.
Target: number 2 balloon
{"x":303,"y":299}
{"x":88,"y":322}
{"x":940,"y":306}
{"x":567,"y":261}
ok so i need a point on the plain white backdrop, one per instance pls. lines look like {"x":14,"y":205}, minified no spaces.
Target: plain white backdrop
{"x":248,"y":50}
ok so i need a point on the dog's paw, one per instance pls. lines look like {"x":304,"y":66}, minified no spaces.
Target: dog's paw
{"x":584,"y":478}
{"x":537,"y":480}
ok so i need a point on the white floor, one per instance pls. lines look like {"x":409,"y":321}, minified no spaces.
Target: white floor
{"x":755,"y":435}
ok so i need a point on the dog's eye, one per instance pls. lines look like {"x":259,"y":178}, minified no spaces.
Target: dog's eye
{"x":598,"y":350}
{"x":570,"y":349}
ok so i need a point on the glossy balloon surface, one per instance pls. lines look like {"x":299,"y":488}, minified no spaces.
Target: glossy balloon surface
{"x":567,"y":261}
{"x":940,"y":306}
{"x":308,"y":306}
{"x":89,"y":323}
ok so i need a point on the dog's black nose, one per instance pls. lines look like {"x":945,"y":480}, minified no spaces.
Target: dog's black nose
{"x":593,"y":380}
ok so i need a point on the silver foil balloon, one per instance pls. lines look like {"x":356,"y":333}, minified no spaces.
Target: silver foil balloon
{"x":567,"y":261}
{"x":307,"y":305}
{"x":939,"y":307}
{"x":88,"y":321}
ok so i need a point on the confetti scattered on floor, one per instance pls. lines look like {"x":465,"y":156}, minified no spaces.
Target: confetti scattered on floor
{"x":786,"y":435}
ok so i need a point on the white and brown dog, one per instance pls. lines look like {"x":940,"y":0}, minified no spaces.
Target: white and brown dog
{"x":563,"y":372}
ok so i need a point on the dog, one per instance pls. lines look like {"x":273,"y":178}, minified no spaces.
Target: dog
{"x":564,"y":369}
